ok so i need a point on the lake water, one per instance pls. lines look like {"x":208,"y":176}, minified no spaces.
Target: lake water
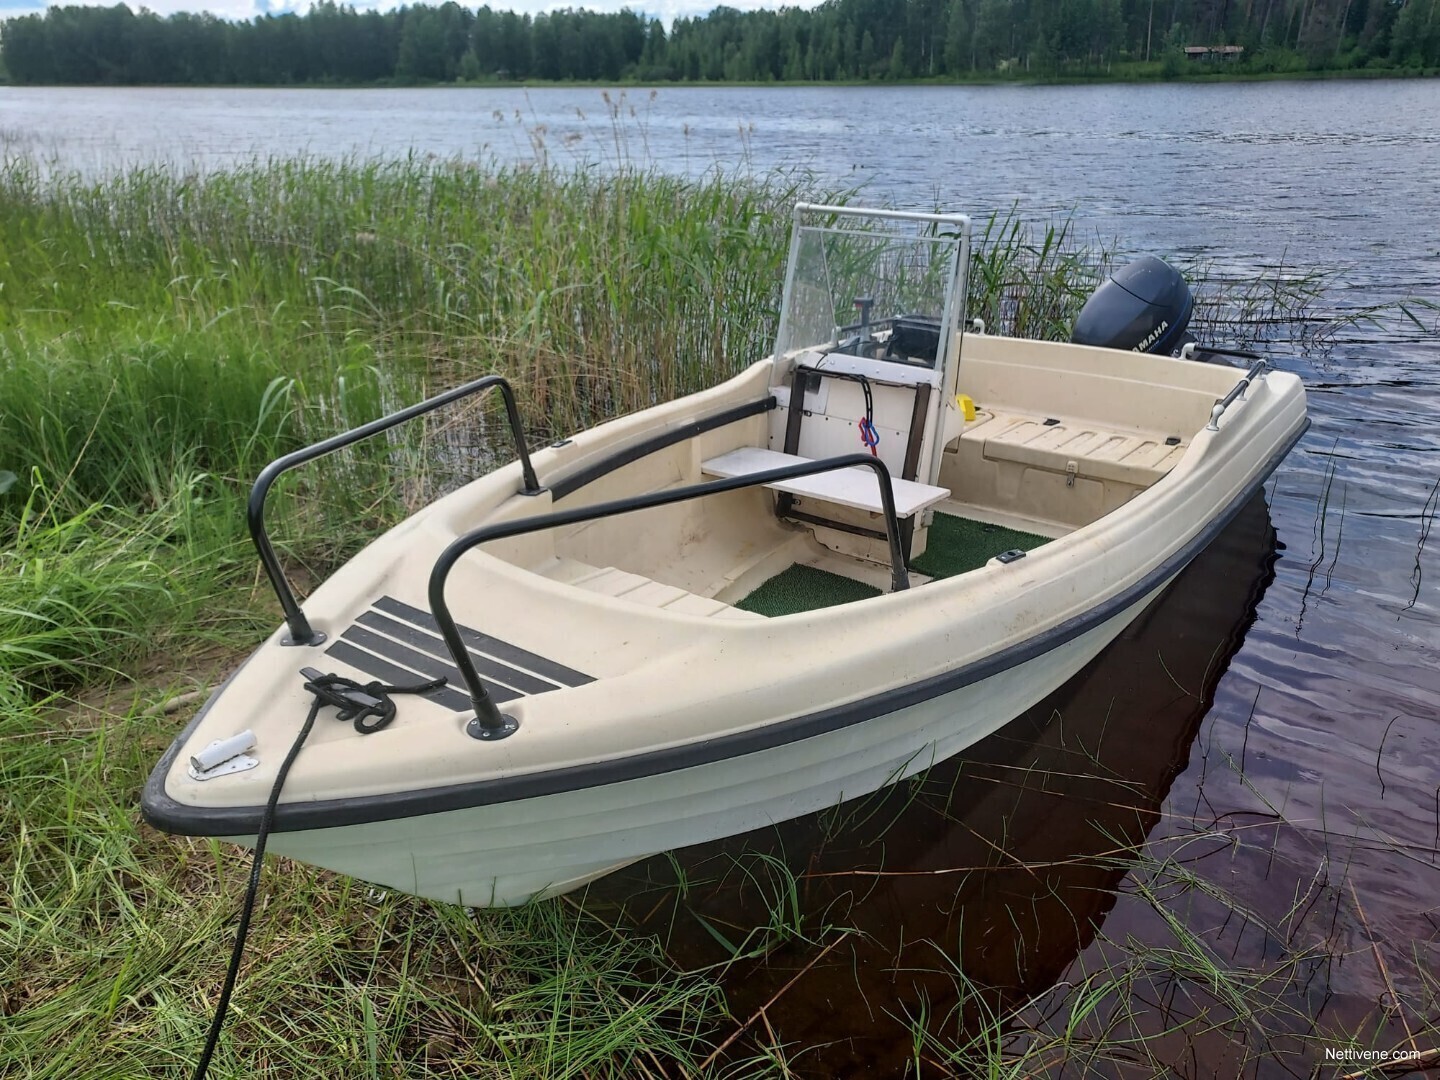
{"x":1273,"y":723}
{"x":1328,"y":172}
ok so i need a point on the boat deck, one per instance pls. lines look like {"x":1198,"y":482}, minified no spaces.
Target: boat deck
{"x":610,"y":581}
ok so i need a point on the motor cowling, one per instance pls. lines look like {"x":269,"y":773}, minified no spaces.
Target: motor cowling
{"x":1144,"y":307}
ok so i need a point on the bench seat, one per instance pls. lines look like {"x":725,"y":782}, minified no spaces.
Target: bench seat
{"x":1135,"y":458}
{"x":855,"y":486}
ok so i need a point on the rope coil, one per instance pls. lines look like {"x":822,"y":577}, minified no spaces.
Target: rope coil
{"x":358,"y":702}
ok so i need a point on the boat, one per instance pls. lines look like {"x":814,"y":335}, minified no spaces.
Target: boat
{"x":852,"y":560}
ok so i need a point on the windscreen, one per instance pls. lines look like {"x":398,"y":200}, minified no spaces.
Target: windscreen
{"x":853,"y":277}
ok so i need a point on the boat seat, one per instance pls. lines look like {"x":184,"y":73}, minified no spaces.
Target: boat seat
{"x":855,"y":487}
{"x":623,"y":585}
{"x":1134,"y":458}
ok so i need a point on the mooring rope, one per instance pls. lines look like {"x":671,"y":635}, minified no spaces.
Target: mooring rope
{"x":355,"y":702}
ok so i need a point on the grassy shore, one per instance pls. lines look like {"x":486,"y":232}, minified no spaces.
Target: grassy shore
{"x":161,"y":338}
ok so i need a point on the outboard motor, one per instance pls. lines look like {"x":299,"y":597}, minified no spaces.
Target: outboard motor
{"x":1144,"y":307}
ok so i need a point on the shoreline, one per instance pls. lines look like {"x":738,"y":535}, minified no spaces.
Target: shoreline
{"x":1098,"y":79}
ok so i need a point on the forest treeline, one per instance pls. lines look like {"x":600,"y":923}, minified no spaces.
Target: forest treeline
{"x":839,"y":40}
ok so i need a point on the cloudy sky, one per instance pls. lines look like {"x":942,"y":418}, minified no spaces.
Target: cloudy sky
{"x":245,"y":9}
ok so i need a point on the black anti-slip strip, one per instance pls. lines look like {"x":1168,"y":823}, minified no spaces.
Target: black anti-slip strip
{"x":372,"y":665}
{"x":434,"y":645}
{"x":434,"y":666}
{"x":501,"y":650}
{"x":402,"y":654}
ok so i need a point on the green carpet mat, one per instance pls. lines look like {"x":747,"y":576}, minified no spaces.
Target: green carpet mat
{"x":804,"y":588}
{"x":958,"y":544}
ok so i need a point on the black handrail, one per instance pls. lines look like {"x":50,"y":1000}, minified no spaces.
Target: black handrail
{"x":492,"y":724}
{"x":301,"y":632}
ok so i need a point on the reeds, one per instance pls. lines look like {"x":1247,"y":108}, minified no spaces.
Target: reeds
{"x":182,"y":298}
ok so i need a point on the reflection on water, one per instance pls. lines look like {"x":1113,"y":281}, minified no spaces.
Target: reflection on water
{"x":1000,"y":863}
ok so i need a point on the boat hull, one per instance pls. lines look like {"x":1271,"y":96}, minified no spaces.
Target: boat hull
{"x":509,"y":853}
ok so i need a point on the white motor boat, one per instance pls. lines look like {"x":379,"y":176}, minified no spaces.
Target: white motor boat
{"x":852,"y":560}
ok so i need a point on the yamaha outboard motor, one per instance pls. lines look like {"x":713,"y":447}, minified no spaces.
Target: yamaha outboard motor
{"x":1144,"y":307}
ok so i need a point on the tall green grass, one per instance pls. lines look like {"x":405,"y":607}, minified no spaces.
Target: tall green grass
{"x":114,"y":940}
{"x":178,"y":304}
